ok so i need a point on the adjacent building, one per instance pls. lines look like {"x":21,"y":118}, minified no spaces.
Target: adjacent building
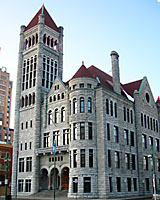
{"x":106,"y":132}
{"x":6,"y":133}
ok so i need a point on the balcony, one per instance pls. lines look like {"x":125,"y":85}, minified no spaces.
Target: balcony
{"x":49,"y":150}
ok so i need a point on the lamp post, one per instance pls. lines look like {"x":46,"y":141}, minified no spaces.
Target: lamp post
{"x":7,"y":162}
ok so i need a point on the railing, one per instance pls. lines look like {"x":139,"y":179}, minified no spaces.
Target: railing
{"x":50,"y":150}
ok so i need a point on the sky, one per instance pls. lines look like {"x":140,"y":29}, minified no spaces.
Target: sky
{"x":92,"y":29}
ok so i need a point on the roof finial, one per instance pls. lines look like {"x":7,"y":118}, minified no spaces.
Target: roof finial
{"x":82,"y":62}
{"x":43,"y":9}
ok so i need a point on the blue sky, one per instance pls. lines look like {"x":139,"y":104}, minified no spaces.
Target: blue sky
{"x":92,"y":29}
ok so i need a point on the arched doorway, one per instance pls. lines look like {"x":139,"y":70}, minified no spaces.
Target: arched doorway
{"x":44,"y":179}
{"x":65,"y":178}
{"x":55,"y":179}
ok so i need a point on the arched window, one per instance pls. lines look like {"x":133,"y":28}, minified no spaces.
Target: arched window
{"x":48,"y":41}
{"x":44,"y":39}
{"x":30,"y":99}
{"x":26,"y":44}
{"x":56,"y":115}
{"x":50,"y":117}
{"x":26,"y":100}
{"x":33,"y":40}
{"x":82,"y":105}
{"x":115,"y":110}
{"x":22,"y":102}
{"x":50,"y":99}
{"x":54,"y":98}
{"x":55,"y":44}
{"x":29,"y":42}
{"x":58,"y":96}
{"x":62,"y":114}
{"x":74,"y":106}
{"x":33,"y":98}
{"x":52,"y":43}
{"x":89,"y":105}
{"x":36,"y":38}
{"x":111,"y":107}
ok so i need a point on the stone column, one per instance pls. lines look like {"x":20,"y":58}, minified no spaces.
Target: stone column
{"x":60,"y":181}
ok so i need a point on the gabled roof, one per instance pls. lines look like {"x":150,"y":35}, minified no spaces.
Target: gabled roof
{"x":82,"y":72}
{"x":131,"y":87}
{"x":158,"y":100}
{"x":48,"y":20}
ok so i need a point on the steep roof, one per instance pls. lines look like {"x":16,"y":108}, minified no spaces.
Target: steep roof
{"x":131,"y":87}
{"x":48,"y":20}
{"x":82,"y":72}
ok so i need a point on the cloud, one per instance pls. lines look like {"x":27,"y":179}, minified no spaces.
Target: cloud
{"x":158,"y":1}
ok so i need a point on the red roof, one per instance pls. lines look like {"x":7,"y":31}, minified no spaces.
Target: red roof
{"x":48,"y":20}
{"x":82,"y":72}
{"x":158,"y":100}
{"x":131,"y":87}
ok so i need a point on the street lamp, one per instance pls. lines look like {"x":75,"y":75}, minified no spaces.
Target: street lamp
{"x":7,"y":161}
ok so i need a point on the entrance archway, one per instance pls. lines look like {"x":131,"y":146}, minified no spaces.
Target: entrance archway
{"x":55,"y":179}
{"x":65,"y":178}
{"x":44,"y":179}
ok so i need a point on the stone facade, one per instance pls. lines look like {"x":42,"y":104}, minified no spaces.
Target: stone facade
{"x":104,"y":131}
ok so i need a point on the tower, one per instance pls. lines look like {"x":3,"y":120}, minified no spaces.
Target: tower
{"x":40,"y":61}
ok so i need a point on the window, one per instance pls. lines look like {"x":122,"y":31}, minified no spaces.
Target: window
{"x":56,"y":137}
{"x":144,"y":141}
{"x":30,"y":123}
{"x":90,"y":157}
{"x":133,"y":162}
{"x":111,"y":107}
{"x":22,"y":125}
{"x":124,"y":113}
{"x":151,"y":123}
{"x":117,"y":159}
{"x":107,"y":106}
{"x":132,"y":138}
{"x":145,"y":123}
{"x":116,"y":139}
{"x":145,"y":162}
{"x":81,"y":85}
{"x":115,"y":110}
{"x":147,"y":184}
{"x":87,"y":185}
{"x":126,"y":138}
{"x":74,"y":131}
{"x":82,"y":130}
{"x":128,"y":119}
{"x":56,"y":117}
{"x":157,"y":144}
{"x":62,"y":114}
{"x":109,"y":158}
{"x":28,"y":185}
{"x":118,"y":180}
{"x":74,"y":106}
{"x":108,"y":131}
{"x":75,"y":184}
{"x":25,"y":147}
{"x":89,"y":105}
{"x":89,"y":85}
{"x":129,"y":184}
{"x":156,"y":126}
{"x":135,"y":184}
{"x":82,"y":157}
{"x":66,"y":136}
{"x":158,"y":164}
{"x":30,"y":145}
{"x":131,"y":113}
{"x":150,"y":141}
{"x":28,"y":164}
{"x":141,"y":119}
{"x":74,"y":158}
{"x":127,"y":160}
{"x":21,"y":146}
{"x":110,"y":185}
{"x":50,"y":117}
{"x":148,"y":124}
{"x":20,"y":185}
{"x":90,"y":133}
{"x":82,"y":105}
{"x":21,"y":164}
{"x":26,"y":125}
{"x":46,"y":140}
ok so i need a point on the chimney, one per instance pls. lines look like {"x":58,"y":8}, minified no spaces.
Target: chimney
{"x":115,"y":72}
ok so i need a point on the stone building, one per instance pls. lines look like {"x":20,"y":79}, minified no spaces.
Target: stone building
{"x":104,"y":130}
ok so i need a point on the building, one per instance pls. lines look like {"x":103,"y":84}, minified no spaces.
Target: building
{"x":6,"y":134}
{"x":5,"y":152}
{"x":104,"y":130}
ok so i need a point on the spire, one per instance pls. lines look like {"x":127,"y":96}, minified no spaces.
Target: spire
{"x":48,"y":20}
